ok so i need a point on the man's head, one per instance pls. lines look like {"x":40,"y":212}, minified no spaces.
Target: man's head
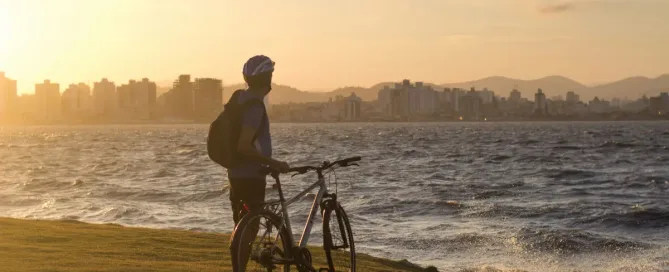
{"x":258,"y":73}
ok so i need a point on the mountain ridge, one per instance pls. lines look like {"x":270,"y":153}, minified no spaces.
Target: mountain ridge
{"x":553,"y":85}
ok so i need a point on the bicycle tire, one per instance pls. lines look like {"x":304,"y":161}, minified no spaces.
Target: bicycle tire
{"x":244,"y":228}
{"x":339,"y":259}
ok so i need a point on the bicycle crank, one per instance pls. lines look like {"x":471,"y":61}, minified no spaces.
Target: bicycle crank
{"x":304,"y":261}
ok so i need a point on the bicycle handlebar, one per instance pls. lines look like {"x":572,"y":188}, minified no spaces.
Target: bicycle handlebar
{"x":326,"y":165}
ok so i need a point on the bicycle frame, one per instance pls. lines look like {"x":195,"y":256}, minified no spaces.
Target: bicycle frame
{"x":322,"y":191}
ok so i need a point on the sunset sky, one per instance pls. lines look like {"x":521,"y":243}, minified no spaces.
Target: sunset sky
{"x":320,"y":44}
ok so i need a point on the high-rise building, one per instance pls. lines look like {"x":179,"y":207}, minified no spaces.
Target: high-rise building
{"x":77,"y":101}
{"x":655,"y":106}
{"x":352,"y":107}
{"x":7,"y":96}
{"x":383,"y":99}
{"x":572,"y":97}
{"x":486,"y":95}
{"x":471,"y":106}
{"x":659,"y":105}
{"x":456,"y":94}
{"x":146,"y":93}
{"x":399,"y":101}
{"x":124,"y":96}
{"x":105,"y":100}
{"x":48,"y":103}
{"x":179,"y":99}
{"x":445,"y":103}
{"x":137,"y":99}
{"x":208,"y":97}
{"x":665,"y":99}
{"x":540,"y":106}
{"x":597,"y":105}
{"x":406,"y":99}
{"x":428,"y":99}
{"x":514,"y":97}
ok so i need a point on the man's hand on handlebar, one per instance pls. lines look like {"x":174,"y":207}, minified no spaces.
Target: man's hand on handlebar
{"x":280,"y":166}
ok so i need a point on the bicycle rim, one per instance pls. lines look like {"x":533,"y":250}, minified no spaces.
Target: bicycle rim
{"x":338,"y":241}
{"x":262,"y":242}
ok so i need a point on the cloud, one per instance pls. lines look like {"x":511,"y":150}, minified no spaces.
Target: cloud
{"x":563,"y":6}
{"x":557,"y":8}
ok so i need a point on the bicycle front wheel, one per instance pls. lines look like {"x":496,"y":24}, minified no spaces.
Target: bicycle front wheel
{"x":260,"y":243}
{"x":338,"y":239}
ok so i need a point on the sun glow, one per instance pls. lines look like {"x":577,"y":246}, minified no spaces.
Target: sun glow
{"x":4,"y":33}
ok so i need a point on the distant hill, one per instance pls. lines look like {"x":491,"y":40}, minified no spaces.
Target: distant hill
{"x":502,"y":86}
{"x":632,"y":88}
{"x":281,"y":94}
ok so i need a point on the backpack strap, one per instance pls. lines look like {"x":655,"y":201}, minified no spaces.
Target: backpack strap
{"x":235,"y":96}
{"x":253,"y":102}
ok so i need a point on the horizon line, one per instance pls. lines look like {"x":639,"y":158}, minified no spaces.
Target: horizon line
{"x":325,"y":90}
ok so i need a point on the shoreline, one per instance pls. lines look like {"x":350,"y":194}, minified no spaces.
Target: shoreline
{"x":57,"y":245}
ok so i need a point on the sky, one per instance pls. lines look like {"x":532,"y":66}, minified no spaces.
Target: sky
{"x":322,"y":45}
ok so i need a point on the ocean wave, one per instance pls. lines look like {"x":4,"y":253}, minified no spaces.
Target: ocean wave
{"x":492,"y":194}
{"x":525,"y":142}
{"x":202,"y":196}
{"x":454,"y":243}
{"x":567,"y":147}
{"x":48,"y":184}
{"x":500,"y":157}
{"x":615,"y":144}
{"x":11,"y":201}
{"x":588,"y":182}
{"x":509,"y":211}
{"x":138,"y":195}
{"x":571,"y":242}
{"x":570,"y":174}
{"x":639,"y":218}
{"x":130,"y":213}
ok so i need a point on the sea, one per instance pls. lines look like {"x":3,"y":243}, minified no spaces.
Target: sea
{"x":529,"y":196}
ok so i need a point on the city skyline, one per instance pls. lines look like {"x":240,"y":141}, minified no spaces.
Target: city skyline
{"x":353,"y":43}
{"x":575,"y":85}
{"x":105,"y":101}
{"x":202,"y":99}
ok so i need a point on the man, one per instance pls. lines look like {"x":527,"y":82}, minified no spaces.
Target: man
{"x":247,"y":185}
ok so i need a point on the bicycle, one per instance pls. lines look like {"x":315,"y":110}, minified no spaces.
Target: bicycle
{"x":280,"y":248}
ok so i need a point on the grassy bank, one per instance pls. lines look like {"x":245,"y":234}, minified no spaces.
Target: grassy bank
{"x":38,"y":245}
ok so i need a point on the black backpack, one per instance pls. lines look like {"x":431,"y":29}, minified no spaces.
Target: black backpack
{"x":225,"y":130}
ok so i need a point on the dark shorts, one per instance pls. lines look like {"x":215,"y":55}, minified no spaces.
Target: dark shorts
{"x":246,"y":191}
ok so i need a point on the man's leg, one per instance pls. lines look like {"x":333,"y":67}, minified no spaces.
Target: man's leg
{"x":235,"y":208}
{"x":252,"y":193}
{"x":235,"y":199}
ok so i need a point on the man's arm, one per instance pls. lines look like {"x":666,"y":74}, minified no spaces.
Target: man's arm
{"x":251,"y":122}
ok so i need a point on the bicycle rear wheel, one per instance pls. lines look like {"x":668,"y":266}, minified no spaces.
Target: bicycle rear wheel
{"x":260,"y":243}
{"x":338,"y":239}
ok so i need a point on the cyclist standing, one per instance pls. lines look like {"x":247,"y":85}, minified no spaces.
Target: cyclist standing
{"x":247,"y":184}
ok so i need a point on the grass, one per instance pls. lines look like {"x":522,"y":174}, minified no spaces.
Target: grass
{"x":40,"y":245}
